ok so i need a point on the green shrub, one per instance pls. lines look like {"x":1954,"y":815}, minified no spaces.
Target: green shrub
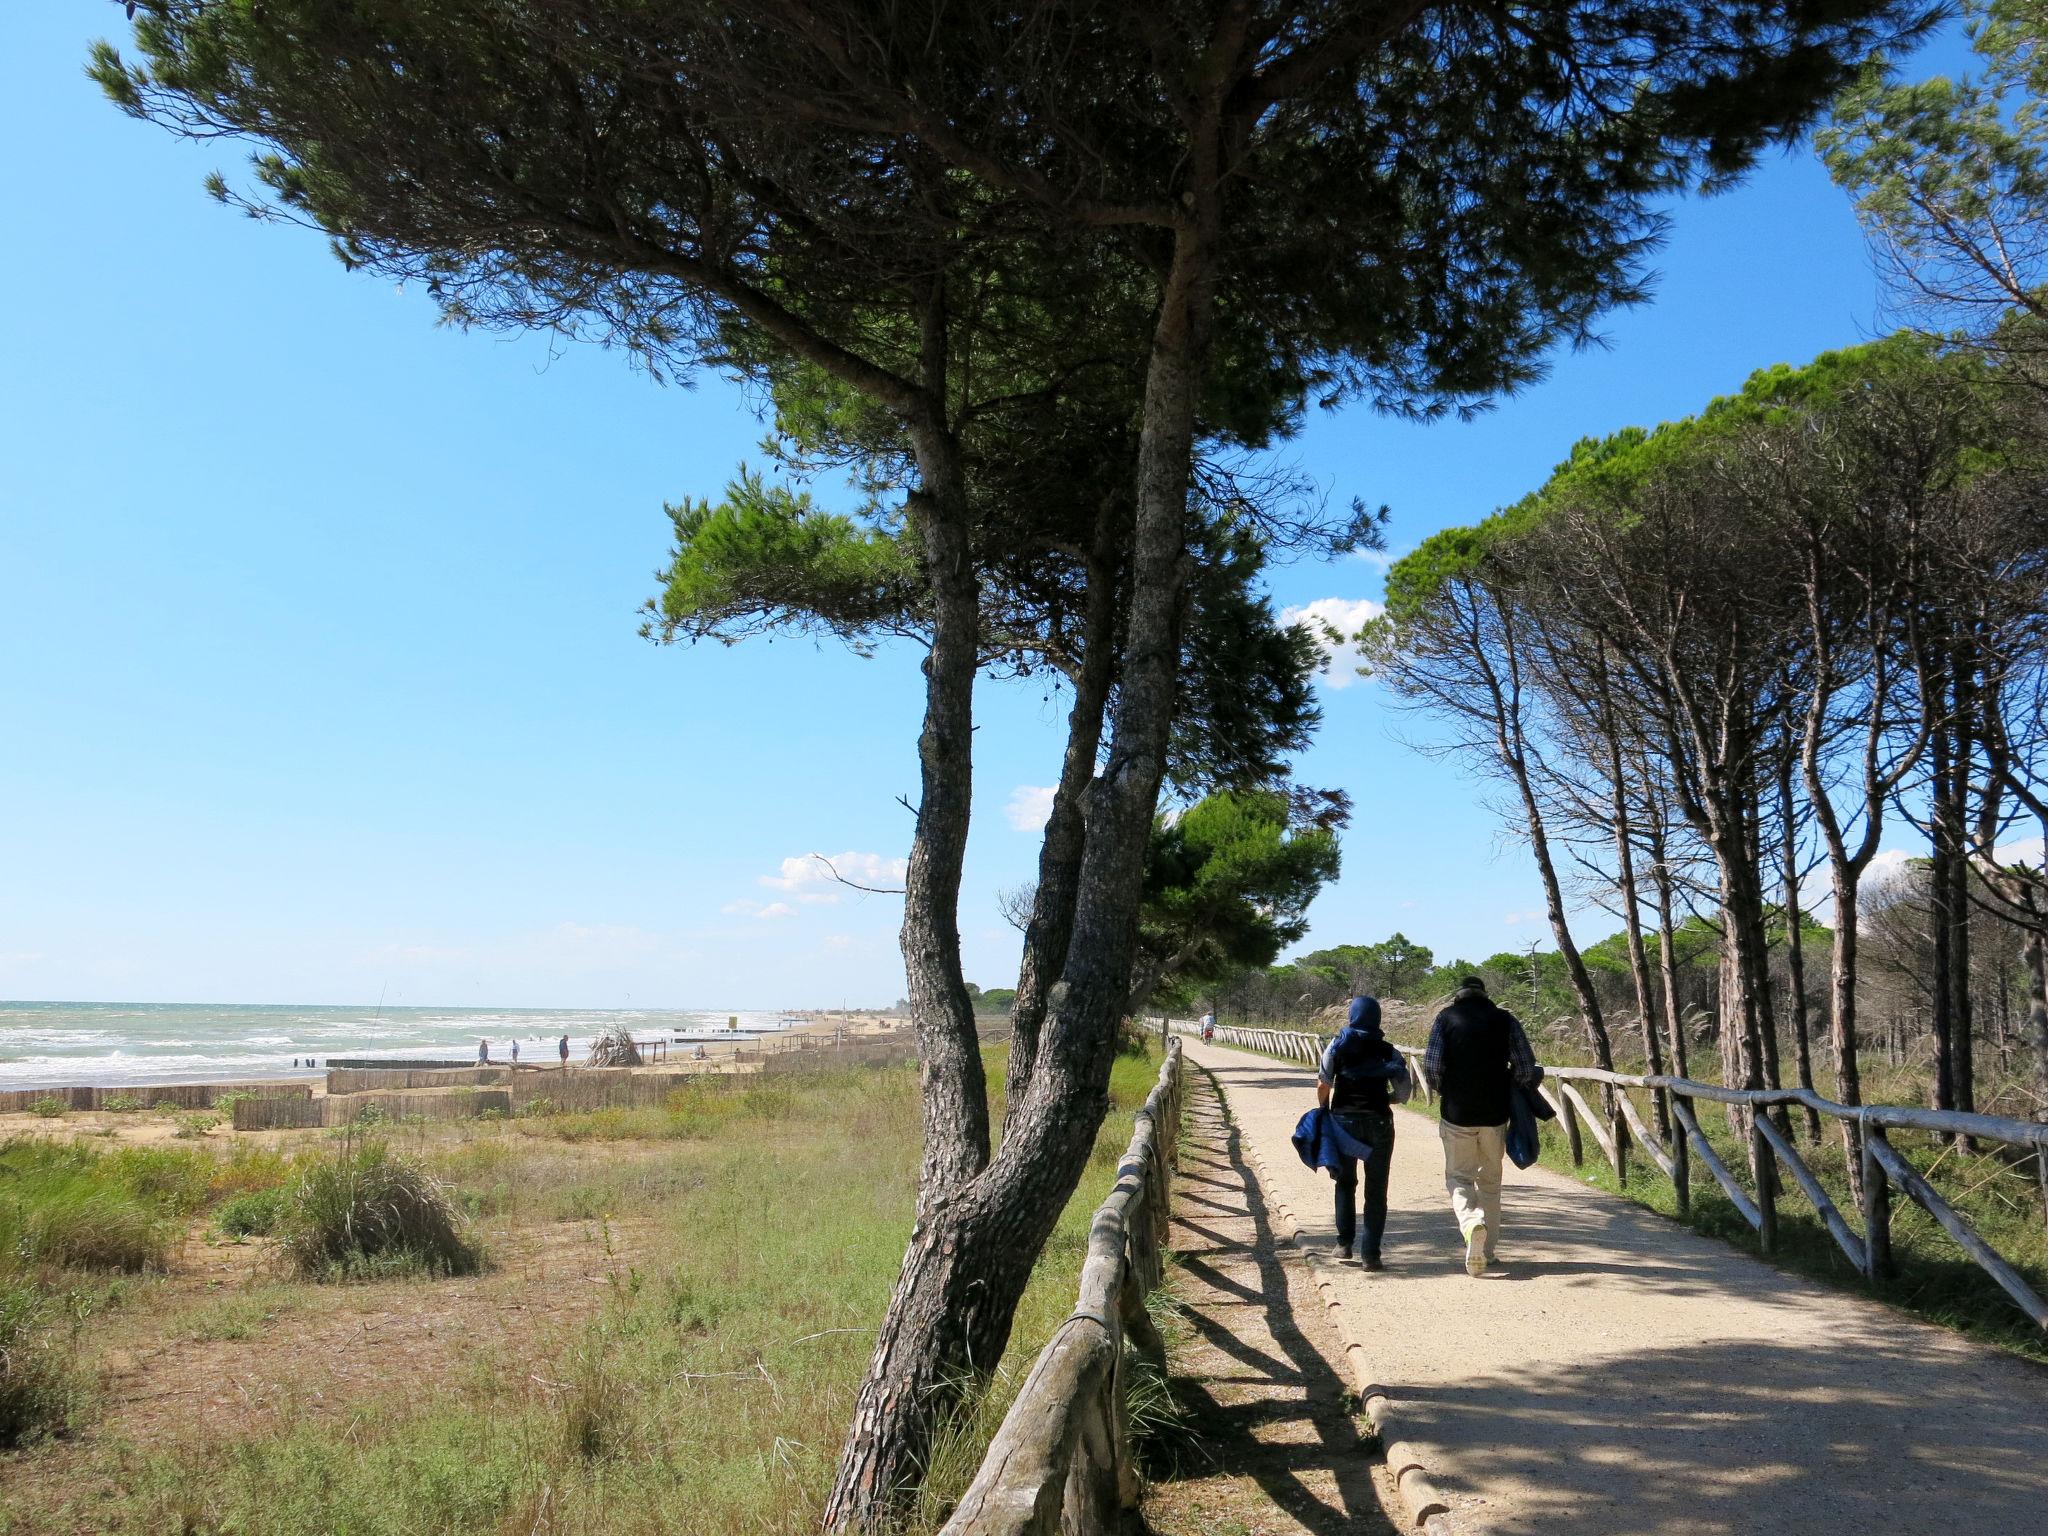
{"x":366,"y":1212}
{"x":226,"y":1103}
{"x":372,"y":1113}
{"x":196,"y":1125}
{"x":121,"y":1103}
{"x":490,"y":1112}
{"x":41,"y":1393}
{"x":253,"y":1214}
{"x":70,"y":1204}
{"x":49,"y":1108}
{"x":536,"y":1107}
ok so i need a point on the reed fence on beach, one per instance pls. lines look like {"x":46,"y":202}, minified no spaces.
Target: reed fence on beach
{"x":415,"y":1093}
{"x":147,"y":1095}
{"x":1062,"y":1460}
{"x":1618,"y":1125}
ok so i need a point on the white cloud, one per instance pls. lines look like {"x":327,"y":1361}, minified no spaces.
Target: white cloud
{"x":777,"y":909}
{"x":816,"y":878}
{"x":1533,"y":915}
{"x":1408,"y":905}
{"x":838,"y":941}
{"x":2027,"y":850}
{"x":1334,"y":621}
{"x":1030,"y":806}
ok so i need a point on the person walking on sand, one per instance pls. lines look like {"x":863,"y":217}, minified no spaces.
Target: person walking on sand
{"x":483,"y":1053}
{"x":1360,"y":1080}
{"x":565,"y":1051}
{"x":515,"y":1053}
{"x":1476,"y":1050}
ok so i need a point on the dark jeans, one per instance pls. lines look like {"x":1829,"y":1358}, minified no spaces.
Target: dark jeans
{"x":1376,"y":1129}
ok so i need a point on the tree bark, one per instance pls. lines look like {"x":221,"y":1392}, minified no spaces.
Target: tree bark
{"x":1059,"y":857}
{"x":1795,"y":944}
{"x":970,"y":1253}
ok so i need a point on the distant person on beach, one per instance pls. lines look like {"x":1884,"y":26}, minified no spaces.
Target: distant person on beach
{"x":483,"y":1053}
{"x":515,"y":1053}
{"x":1476,"y":1050}
{"x":1360,"y":1080}
{"x":565,"y":1050}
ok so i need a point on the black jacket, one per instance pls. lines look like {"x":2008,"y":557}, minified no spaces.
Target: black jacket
{"x":1470,"y":1046}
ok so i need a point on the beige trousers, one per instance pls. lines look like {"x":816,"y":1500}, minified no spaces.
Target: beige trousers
{"x":1472,"y":1155}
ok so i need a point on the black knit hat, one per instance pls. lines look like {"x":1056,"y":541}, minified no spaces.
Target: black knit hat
{"x":1472,"y":984}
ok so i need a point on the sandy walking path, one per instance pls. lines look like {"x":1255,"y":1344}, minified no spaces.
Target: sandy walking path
{"x":1622,"y":1375}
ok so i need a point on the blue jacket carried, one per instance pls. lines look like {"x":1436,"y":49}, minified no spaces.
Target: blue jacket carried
{"x":1321,"y":1141}
{"x":1526,"y":1108}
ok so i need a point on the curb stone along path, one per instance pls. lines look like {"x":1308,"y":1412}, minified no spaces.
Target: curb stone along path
{"x":1622,"y":1376}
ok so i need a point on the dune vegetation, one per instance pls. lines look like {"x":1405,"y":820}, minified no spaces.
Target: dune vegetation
{"x":667,"y":1334}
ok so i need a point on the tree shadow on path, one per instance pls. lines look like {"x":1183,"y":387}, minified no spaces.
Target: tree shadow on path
{"x":1266,"y":1404}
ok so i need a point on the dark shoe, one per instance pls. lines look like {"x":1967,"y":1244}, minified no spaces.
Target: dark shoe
{"x":1372,"y":1261}
{"x":1341,"y":1252}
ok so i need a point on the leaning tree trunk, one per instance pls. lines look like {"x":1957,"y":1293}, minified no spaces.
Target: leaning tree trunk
{"x":972,"y":1249}
{"x":1667,"y":945}
{"x":1059,"y":857}
{"x":1795,"y":945}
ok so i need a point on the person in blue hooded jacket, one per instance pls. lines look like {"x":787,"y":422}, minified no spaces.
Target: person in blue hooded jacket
{"x":1361,"y":1078}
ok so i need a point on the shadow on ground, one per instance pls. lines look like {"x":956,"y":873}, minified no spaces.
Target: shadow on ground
{"x":1270,"y":1429}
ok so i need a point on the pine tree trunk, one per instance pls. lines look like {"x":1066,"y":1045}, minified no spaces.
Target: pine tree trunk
{"x":1795,"y":945}
{"x":972,"y":1250}
{"x":1059,"y":857}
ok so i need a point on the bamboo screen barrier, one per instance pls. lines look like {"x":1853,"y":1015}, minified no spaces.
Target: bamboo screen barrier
{"x":429,"y":1094}
{"x":150,"y":1095}
{"x":1062,"y":1460}
{"x":1771,"y":1155}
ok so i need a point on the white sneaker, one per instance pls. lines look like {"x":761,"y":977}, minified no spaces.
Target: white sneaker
{"x":1475,"y":1250}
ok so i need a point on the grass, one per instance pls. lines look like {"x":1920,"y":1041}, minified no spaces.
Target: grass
{"x":42,"y":1393}
{"x":366,"y":1211}
{"x":745,"y":1242}
{"x":70,"y":1211}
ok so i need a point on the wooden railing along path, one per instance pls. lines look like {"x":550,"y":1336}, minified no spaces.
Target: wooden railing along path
{"x":1771,"y":1154}
{"x":1062,"y":1460}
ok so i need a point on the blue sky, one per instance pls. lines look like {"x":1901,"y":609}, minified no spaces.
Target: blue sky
{"x":321,"y":678}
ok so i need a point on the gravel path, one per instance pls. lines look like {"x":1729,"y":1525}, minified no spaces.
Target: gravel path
{"x":1622,"y":1375}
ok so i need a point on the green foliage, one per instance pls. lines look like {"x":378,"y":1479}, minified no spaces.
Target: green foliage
{"x":365,"y":1212}
{"x":197,"y":1124}
{"x":254,"y":1214}
{"x":47,"y":1107}
{"x":41,"y":1392}
{"x":1393,"y":968}
{"x":121,"y":1103}
{"x":765,"y":558}
{"x":1227,"y":887}
{"x":1951,"y":176}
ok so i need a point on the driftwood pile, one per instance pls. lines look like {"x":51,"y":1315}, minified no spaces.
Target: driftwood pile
{"x":614,"y":1048}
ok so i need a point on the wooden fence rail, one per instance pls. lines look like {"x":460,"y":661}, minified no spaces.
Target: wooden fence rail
{"x":1062,"y":1463}
{"x":1618,"y":1125}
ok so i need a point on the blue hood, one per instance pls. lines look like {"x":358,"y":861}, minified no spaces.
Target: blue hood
{"x":1365,"y":1015}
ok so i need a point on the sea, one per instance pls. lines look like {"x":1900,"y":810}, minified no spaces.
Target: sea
{"x":53,"y":1045}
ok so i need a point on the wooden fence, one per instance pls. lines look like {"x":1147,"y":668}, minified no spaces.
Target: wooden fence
{"x":149,"y":1095}
{"x":1062,"y":1463}
{"x":1618,"y":1125}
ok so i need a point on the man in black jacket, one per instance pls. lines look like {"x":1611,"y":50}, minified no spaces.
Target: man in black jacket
{"x":1475,"y":1050}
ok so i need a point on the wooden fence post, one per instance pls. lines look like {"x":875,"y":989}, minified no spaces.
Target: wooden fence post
{"x":1763,"y":1167}
{"x":1681,"y":1161}
{"x":1571,"y":1130}
{"x":1877,"y":1212}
